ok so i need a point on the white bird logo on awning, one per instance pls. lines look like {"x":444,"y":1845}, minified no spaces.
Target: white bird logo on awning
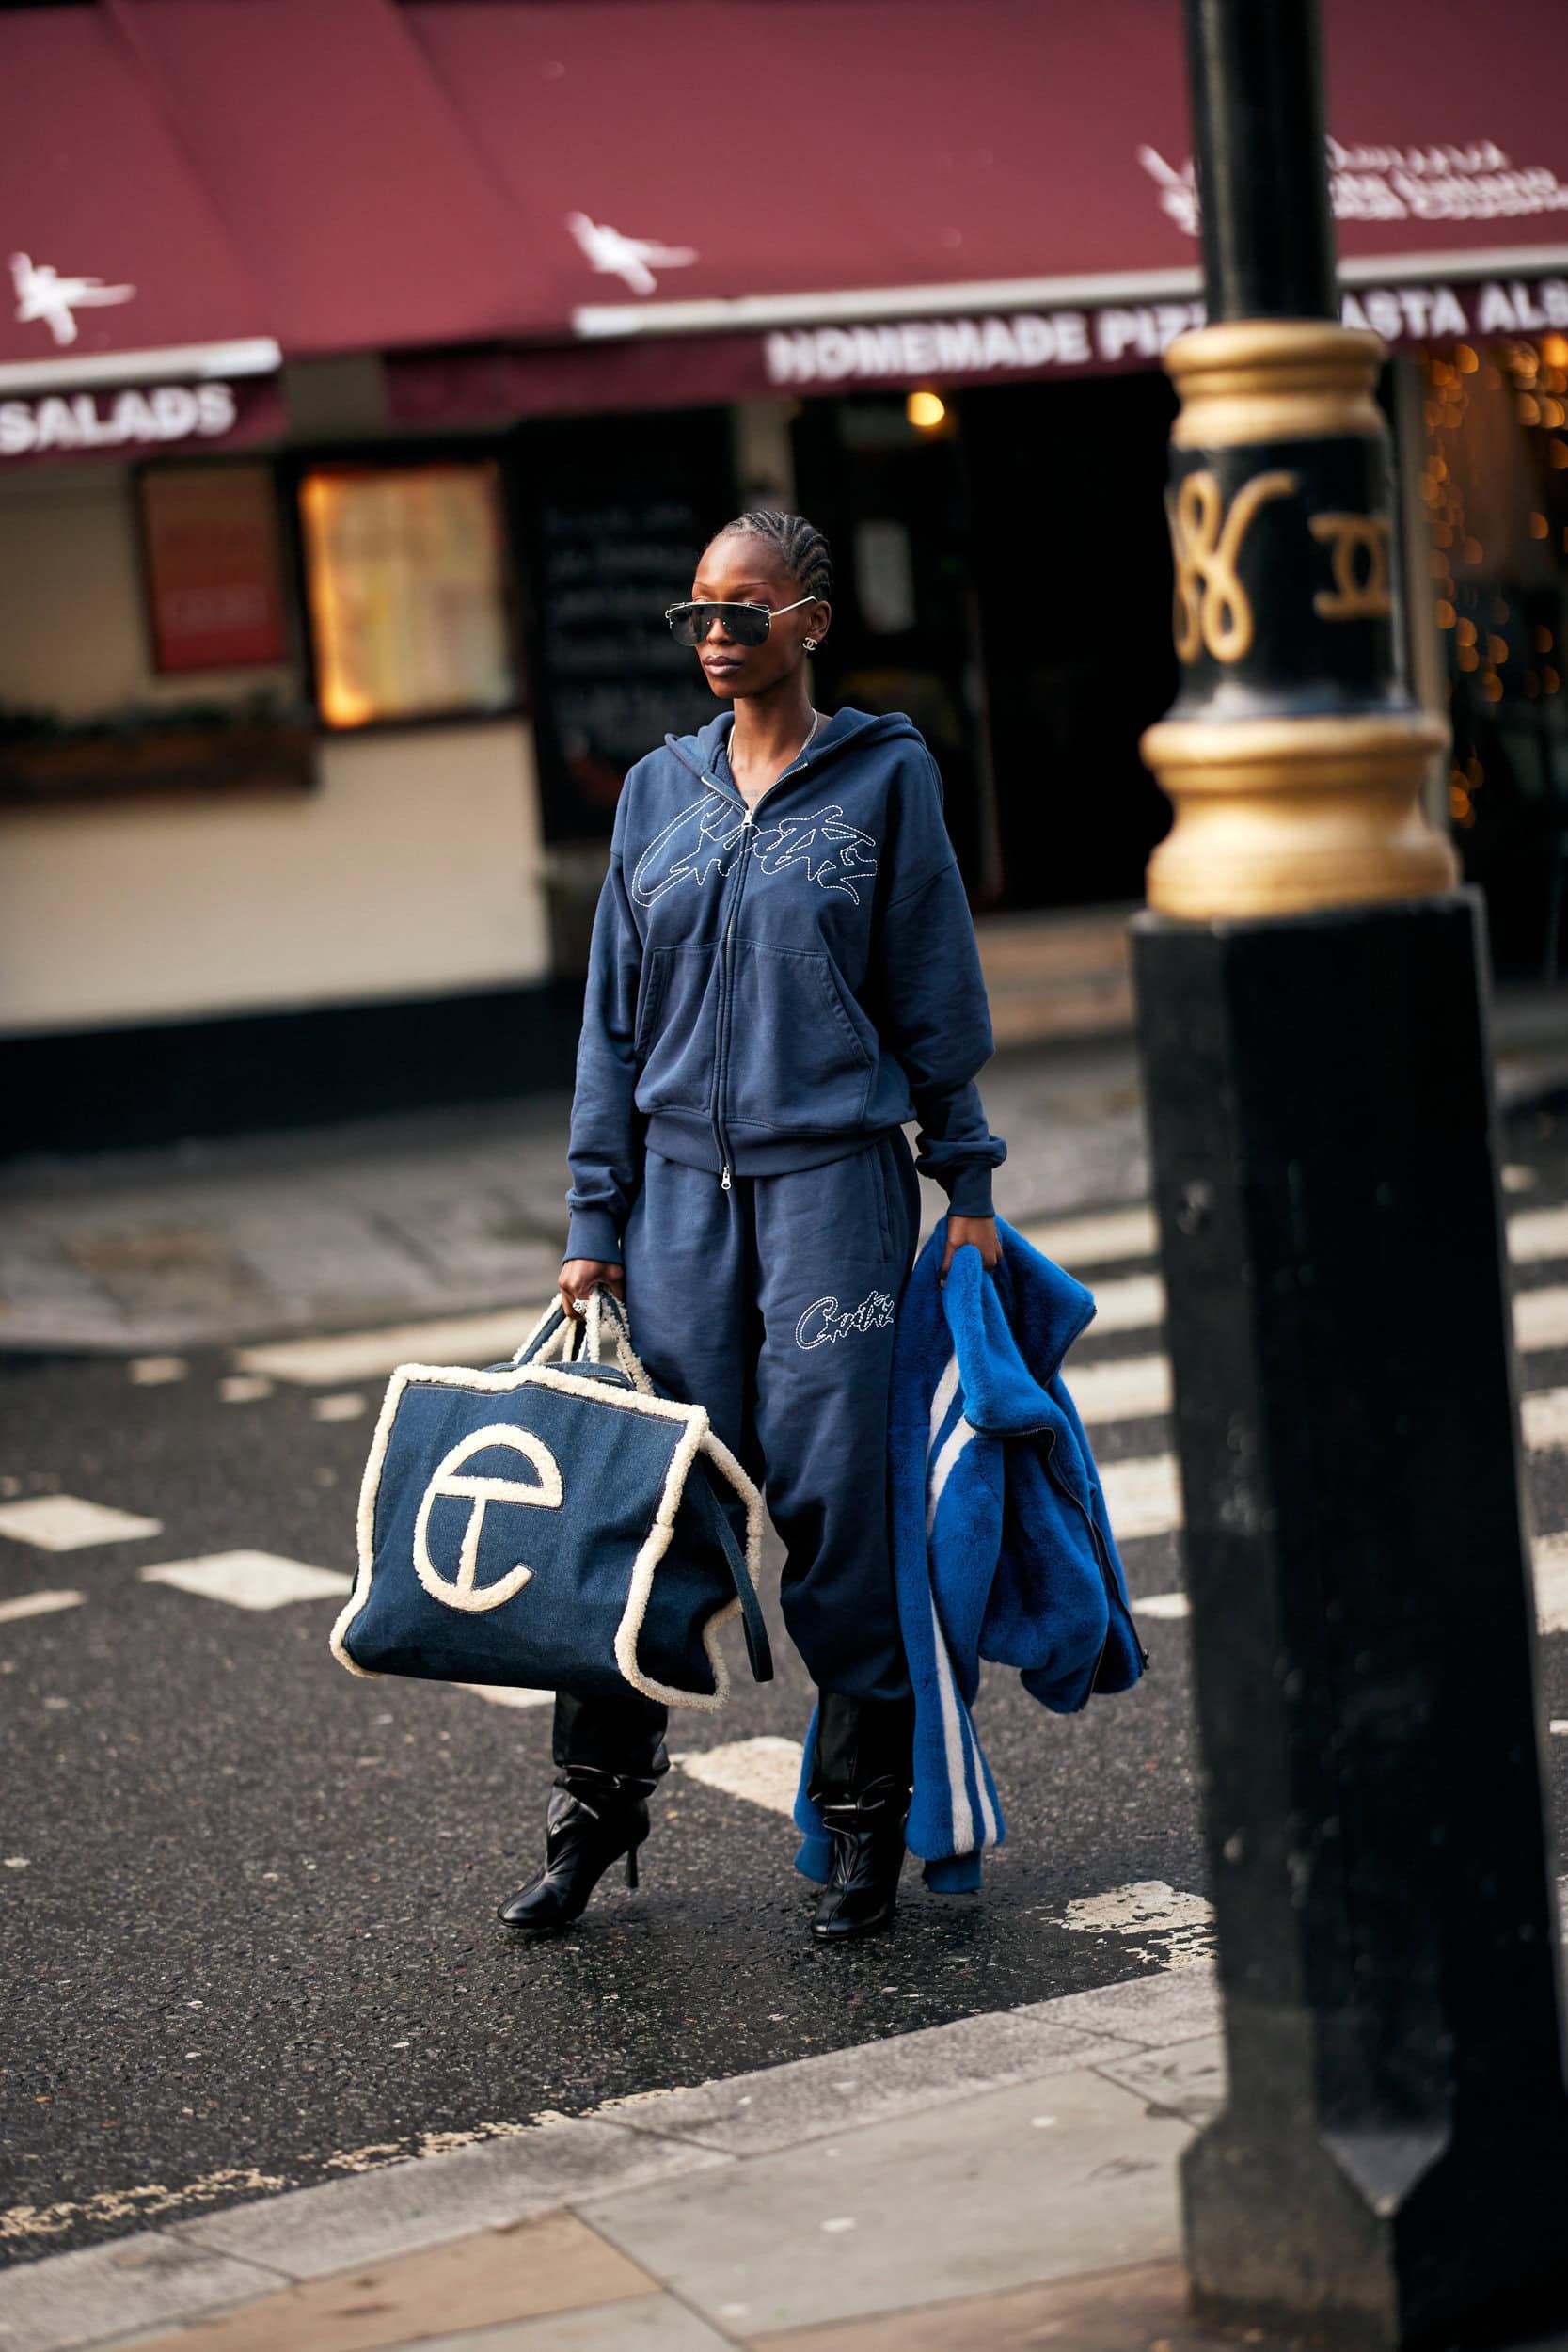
{"x":633,"y":258}
{"x":42,"y":292}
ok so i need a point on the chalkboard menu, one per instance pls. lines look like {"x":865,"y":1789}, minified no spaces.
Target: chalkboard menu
{"x":613,"y":516}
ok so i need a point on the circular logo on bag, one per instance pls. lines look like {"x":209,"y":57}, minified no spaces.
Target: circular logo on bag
{"x":541,"y":1492}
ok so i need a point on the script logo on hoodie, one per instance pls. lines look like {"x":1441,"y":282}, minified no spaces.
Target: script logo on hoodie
{"x":708,"y":838}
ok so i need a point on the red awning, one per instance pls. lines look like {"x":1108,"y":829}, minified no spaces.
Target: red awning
{"x":119,"y":268}
{"x":613,"y":202}
{"x":812,"y":195}
{"x":799,"y":153}
{"x":340,"y":170}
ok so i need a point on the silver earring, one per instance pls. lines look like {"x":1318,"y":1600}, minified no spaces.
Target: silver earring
{"x":810,"y":644}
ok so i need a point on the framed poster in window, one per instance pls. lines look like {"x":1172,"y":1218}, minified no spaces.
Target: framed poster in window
{"x":406,"y":591}
{"x":214,"y":578}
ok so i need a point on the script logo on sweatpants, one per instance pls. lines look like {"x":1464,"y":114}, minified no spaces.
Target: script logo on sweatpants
{"x":822,"y":1322}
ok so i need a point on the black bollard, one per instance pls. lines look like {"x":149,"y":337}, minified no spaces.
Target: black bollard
{"x":1391,"y":2169}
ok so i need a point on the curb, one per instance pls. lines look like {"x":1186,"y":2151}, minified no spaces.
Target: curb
{"x":128,"y":2289}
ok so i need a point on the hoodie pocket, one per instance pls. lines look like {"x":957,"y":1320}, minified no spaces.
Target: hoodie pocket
{"x":800,"y":1056}
{"x":675,"y":1030}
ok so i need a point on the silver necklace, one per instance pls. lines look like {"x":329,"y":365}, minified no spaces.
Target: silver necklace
{"x":816,"y":723}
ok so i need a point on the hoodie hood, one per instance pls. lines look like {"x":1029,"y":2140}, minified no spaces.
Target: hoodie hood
{"x":845,"y":729}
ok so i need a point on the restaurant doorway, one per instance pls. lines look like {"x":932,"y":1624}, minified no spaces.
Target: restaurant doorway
{"x":891,"y":493}
{"x":1073,"y":573}
{"x":1003,"y":576}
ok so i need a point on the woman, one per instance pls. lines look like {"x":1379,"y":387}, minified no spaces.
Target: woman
{"x":784,"y":973}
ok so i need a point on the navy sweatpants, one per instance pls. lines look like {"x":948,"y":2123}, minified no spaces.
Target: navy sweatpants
{"x":773,"y":1304}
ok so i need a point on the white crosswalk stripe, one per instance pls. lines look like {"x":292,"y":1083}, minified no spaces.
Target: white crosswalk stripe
{"x":1550,"y":1559}
{"x":1142,"y":1496}
{"x":1540,"y":1319}
{"x":1535,"y":1235}
{"x":1130,"y":1389}
{"x":476,"y":1339}
{"x":1545,"y":1415}
{"x":248,"y":1579}
{"x":1134,"y":1302}
{"x":506,"y":1694}
{"x":764,"y":1771}
{"x":38,"y":1605}
{"x":1076,"y":1241}
{"x":68,"y":1523}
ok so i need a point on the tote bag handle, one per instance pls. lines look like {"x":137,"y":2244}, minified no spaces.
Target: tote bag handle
{"x":582,"y":1338}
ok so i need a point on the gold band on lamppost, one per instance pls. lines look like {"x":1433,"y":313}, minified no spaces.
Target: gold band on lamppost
{"x":1295,"y":767}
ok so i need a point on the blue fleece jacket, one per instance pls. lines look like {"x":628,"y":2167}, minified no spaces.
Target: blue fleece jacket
{"x":772,"y":988}
{"x":1002,"y":1547}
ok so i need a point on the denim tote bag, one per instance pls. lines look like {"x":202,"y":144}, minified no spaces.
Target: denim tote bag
{"x":553,"y":1524}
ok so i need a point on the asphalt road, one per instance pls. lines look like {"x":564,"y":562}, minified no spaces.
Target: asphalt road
{"x":248,"y":1901}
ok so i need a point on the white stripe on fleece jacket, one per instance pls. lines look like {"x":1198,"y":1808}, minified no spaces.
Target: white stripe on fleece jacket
{"x":1002,"y":1547}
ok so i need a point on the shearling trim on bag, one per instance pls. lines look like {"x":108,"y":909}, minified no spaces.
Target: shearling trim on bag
{"x":697,"y":1439}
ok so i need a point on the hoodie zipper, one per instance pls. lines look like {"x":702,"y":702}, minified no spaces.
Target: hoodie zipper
{"x":724,"y":1022}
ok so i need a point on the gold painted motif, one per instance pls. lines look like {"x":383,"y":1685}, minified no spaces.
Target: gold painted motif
{"x":1213,"y":610}
{"x":1357,"y":594}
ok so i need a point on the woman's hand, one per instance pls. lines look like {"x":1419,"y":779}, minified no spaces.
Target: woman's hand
{"x":982,"y":1233}
{"x":579,"y":1277}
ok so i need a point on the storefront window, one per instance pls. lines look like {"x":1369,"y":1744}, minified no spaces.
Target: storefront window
{"x":1495,"y":491}
{"x":405,"y":579}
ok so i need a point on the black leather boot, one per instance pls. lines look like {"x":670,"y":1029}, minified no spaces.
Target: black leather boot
{"x":594,"y":1818}
{"x":861,"y":1784}
{"x":610,"y":1756}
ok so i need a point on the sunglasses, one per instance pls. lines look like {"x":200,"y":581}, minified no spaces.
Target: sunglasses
{"x":748,"y":624}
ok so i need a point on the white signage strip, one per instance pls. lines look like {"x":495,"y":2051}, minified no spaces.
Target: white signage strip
{"x":126,"y":418}
{"x":742,"y":313}
{"x":255,"y":354}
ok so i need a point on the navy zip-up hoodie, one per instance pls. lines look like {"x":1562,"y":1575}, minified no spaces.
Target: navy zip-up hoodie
{"x":772,"y":988}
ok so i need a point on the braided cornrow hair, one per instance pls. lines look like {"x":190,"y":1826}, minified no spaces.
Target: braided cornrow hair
{"x":798,"y":545}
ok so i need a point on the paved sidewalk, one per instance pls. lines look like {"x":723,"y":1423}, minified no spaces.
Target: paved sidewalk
{"x":395,"y":1220}
{"x":400,"y":1219}
{"x":1004,"y":2182}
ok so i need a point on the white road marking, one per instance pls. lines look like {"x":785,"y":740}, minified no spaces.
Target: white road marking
{"x":1101,"y":1240}
{"x":66,"y":1523}
{"x":1128,"y":1390}
{"x":1134,"y":1303}
{"x":1180,"y":1924}
{"x":474,"y":1339}
{"x":1541,"y":1318}
{"x":1535,"y":1235}
{"x":243,"y":1388}
{"x":1517,"y":1179}
{"x":248,"y":1579}
{"x":1143,"y":1497}
{"x":764,"y":1771}
{"x":38,"y":1605}
{"x":507,"y":1694}
{"x":1551,"y":1583}
{"x":1559,"y":1724}
{"x":347,"y":1406}
{"x":1545,"y":1413}
{"x":1550,"y":1561}
{"x":156,"y":1372}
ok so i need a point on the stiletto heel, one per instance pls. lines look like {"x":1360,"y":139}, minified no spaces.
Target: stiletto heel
{"x":590,"y":1825}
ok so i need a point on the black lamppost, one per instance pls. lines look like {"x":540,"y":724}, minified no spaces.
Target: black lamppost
{"x":1392,"y":2166}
